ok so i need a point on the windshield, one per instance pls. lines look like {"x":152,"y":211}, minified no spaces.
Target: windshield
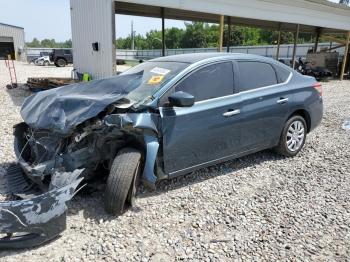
{"x":154,"y":76}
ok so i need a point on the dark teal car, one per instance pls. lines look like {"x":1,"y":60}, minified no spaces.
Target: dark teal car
{"x":158,"y":120}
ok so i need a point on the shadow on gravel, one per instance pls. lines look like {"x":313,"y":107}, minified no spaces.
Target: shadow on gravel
{"x":19,"y":94}
{"x":90,"y":199}
{"x":92,"y":203}
{"x":211,"y":172}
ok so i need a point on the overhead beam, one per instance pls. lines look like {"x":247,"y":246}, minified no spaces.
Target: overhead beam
{"x":221,"y":29}
{"x":296,"y":37}
{"x":345,"y":56}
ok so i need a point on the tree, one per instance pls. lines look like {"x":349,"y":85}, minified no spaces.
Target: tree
{"x":67,"y":44}
{"x":173,"y":37}
{"x":344,"y":2}
{"x":194,"y":36}
{"x":49,"y":43}
{"x":35,"y":43}
{"x":201,"y":35}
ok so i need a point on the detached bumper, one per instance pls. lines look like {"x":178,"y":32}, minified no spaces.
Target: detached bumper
{"x":37,"y":218}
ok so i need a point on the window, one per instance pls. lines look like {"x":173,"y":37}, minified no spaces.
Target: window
{"x":253,"y":74}
{"x":282,"y":73}
{"x":154,"y":75}
{"x":209,"y":82}
{"x":67,"y":52}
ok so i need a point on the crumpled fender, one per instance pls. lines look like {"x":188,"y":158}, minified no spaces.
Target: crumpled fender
{"x":31,"y":222}
{"x":147,"y":122}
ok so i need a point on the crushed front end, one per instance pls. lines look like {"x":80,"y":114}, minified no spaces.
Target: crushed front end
{"x":68,"y":135}
{"x":38,"y":188}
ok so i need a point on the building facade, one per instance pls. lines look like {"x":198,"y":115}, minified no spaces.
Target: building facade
{"x":12,"y":42}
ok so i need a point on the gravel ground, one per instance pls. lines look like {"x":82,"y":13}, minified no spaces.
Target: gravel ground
{"x":261,"y":207}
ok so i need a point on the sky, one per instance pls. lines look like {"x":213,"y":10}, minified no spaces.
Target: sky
{"x":51,"y":19}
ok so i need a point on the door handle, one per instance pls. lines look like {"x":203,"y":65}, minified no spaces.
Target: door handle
{"x":282,"y":100}
{"x":231,"y":113}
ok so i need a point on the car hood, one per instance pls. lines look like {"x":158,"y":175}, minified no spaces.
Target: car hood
{"x":62,"y":109}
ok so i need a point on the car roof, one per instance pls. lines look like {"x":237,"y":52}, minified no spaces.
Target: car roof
{"x":196,"y":57}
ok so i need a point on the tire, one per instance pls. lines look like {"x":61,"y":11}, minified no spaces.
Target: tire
{"x":46,"y":63}
{"x":295,"y":130}
{"x":61,"y":62}
{"x":121,"y":182}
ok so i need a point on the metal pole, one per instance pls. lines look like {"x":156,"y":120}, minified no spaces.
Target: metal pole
{"x":278,"y":41}
{"x":345,"y":57}
{"x":221,"y":32}
{"x":295,"y":45}
{"x":163,"y":31}
{"x":318,"y":33}
{"x":228,"y":41}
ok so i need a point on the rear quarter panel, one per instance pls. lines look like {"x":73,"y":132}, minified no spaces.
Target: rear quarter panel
{"x":306,"y":97}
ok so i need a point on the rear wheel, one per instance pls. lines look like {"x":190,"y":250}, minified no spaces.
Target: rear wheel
{"x":61,"y":62}
{"x":293,"y":136}
{"x":121,"y":182}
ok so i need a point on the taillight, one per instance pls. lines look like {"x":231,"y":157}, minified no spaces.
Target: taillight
{"x":318,"y":88}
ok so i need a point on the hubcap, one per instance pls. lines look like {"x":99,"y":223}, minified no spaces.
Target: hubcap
{"x":295,"y":135}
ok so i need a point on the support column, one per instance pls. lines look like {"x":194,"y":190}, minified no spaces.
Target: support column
{"x":163,"y":31}
{"x":102,"y":63}
{"x":295,"y":45}
{"x":228,"y":40}
{"x":345,"y":56}
{"x":221,"y":32}
{"x":278,"y":42}
{"x":317,"y":39}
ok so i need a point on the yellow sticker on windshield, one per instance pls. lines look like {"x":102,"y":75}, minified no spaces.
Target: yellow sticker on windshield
{"x":155,"y":80}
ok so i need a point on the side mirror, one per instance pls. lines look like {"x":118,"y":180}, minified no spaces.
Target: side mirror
{"x":181,"y":99}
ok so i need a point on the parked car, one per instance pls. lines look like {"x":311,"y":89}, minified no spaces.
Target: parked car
{"x":160,"y":119}
{"x":61,"y":57}
{"x":43,"y":61}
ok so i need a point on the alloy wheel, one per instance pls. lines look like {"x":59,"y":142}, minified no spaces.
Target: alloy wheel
{"x":295,"y":135}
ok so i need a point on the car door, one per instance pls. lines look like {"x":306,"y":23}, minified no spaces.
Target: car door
{"x":264,"y":105}
{"x":68,"y":56}
{"x":208,"y":131}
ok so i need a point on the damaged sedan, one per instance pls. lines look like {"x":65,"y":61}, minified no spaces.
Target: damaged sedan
{"x":158,"y":120}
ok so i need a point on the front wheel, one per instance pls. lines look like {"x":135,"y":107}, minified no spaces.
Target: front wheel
{"x":293,"y":136}
{"x":121,"y":182}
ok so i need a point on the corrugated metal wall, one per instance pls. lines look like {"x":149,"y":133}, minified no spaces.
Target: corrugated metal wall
{"x":93,"y":21}
{"x":18,"y":39}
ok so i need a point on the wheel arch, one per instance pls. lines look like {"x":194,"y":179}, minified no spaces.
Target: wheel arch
{"x":60,"y":57}
{"x":304,"y":114}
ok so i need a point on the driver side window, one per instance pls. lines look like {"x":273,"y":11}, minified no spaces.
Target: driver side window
{"x":208,"y":82}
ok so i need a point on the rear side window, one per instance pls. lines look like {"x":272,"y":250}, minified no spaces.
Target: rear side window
{"x":253,"y":74}
{"x":67,"y":52}
{"x":209,"y":82}
{"x":282,"y":73}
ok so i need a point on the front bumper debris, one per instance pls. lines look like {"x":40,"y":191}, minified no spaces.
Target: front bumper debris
{"x":39,"y":217}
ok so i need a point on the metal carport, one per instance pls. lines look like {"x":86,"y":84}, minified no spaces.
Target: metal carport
{"x":94,"y":21}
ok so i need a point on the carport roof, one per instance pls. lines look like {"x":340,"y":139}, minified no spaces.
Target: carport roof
{"x":269,"y":14}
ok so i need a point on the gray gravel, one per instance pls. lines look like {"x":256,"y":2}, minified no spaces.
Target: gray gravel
{"x":260,"y":206}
